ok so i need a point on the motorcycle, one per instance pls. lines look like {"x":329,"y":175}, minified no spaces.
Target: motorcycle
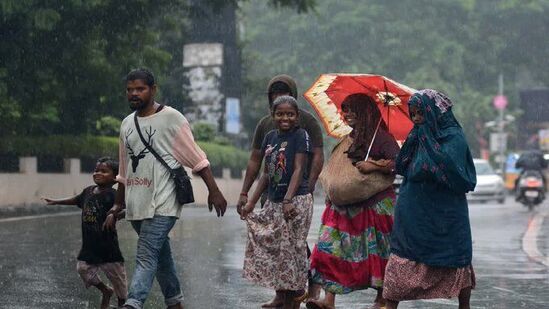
{"x":531,"y":189}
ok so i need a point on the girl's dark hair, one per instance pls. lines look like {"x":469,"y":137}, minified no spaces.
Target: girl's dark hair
{"x":368,"y":116}
{"x":142,"y":74}
{"x":110,"y":163}
{"x":285,"y":99}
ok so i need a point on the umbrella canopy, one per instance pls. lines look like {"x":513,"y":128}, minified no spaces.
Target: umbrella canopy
{"x":329,"y":91}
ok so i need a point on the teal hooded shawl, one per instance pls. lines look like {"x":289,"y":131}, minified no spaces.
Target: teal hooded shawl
{"x":431,"y":215}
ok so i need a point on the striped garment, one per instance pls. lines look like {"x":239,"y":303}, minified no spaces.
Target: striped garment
{"x":353,"y":245}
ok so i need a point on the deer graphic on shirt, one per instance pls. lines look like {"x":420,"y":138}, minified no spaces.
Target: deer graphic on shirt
{"x":136,"y":158}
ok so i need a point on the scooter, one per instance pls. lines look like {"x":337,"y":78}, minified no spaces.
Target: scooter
{"x":531,"y":189}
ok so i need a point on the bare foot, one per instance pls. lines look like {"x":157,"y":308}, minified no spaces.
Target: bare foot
{"x":106,"y":299}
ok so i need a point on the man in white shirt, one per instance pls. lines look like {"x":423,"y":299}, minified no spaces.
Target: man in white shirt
{"x":146,"y":190}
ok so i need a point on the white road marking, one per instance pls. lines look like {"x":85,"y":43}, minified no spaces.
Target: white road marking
{"x":530,"y":239}
{"x":504,"y":290}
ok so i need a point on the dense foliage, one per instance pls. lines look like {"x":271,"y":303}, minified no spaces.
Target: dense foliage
{"x":62,"y":61}
{"x":459,"y":47}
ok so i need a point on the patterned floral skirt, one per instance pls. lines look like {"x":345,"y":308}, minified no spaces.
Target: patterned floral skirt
{"x":353,"y":245}
{"x":409,"y":280}
{"x":276,"y":251}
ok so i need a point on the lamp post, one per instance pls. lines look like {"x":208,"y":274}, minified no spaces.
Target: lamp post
{"x":500,"y":103}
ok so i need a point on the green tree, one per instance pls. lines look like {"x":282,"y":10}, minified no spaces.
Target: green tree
{"x":62,"y":61}
{"x":459,"y":47}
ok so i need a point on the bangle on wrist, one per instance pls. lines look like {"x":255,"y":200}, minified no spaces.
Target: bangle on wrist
{"x":286,"y":200}
{"x":244,"y":194}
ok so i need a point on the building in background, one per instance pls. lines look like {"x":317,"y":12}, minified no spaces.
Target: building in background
{"x":212,"y":63}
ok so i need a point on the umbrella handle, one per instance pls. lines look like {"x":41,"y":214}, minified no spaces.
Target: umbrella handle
{"x":373,"y":139}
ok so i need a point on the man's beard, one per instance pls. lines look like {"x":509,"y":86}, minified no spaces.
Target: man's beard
{"x":137,"y":104}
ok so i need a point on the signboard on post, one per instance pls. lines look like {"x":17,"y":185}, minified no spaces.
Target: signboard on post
{"x":203,"y":67}
{"x":202,"y":55}
{"x":544,"y":139}
{"x":232,"y":115}
{"x":498,"y":141}
{"x":500,"y":102}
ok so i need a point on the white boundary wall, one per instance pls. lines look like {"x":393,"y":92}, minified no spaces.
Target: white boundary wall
{"x":28,"y":186}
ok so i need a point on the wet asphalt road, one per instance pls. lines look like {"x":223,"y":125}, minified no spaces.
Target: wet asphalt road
{"x":38,"y":267}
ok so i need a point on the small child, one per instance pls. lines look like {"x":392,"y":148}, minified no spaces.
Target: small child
{"x":276,"y":253}
{"x":100,"y":250}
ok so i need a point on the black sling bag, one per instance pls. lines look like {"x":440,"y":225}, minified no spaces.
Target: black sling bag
{"x":183,"y":188}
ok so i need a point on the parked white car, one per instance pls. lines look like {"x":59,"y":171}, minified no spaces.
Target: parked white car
{"x":490,"y":185}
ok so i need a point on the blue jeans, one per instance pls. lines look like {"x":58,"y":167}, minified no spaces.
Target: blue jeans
{"x":154,"y":258}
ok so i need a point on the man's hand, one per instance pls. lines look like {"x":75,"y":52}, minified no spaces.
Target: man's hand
{"x":289,"y":210}
{"x":242,"y":200}
{"x":110,"y":223}
{"x":217,"y":200}
{"x":246,"y":210}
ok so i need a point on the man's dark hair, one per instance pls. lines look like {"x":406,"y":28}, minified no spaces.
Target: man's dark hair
{"x":142,"y":74}
{"x":110,"y":163}
{"x":279,"y":88}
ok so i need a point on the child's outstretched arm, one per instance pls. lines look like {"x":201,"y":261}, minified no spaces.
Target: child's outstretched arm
{"x":61,"y":201}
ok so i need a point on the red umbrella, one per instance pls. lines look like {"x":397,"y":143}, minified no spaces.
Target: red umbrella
{"x":329,"y":91}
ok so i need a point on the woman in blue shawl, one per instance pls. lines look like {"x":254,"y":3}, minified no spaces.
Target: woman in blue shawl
{"x":431,"y":247}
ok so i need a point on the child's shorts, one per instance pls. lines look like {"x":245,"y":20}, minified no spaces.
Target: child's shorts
{"x":115,"y":272}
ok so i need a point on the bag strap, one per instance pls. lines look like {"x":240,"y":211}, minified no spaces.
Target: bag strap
{"x":373,"y":139}
{"x":149,"y":147}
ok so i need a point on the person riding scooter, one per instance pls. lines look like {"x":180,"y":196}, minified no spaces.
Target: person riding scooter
{"x":529,"y":161}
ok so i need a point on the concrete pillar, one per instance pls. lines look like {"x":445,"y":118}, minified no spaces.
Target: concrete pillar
{"x":212,"y":61}
{"x":28,"y":165}
{"x":226,"y":173}
{"x":71,"y":166}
